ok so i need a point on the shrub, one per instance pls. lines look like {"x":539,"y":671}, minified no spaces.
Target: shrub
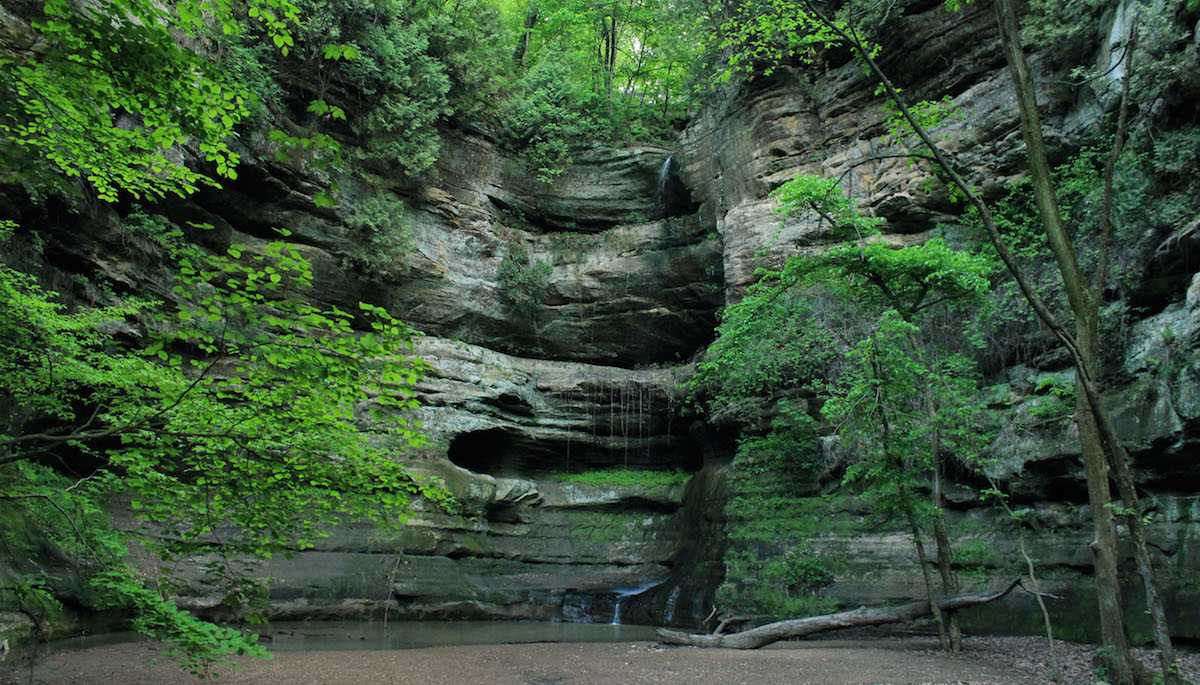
{"x":523,"y":280}
{"x":381,"y":234}
{"x":648,"y":479}
{"x":545,"y":116}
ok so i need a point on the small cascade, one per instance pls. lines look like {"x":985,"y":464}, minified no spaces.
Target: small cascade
{"x":622,"y":595}
{"x":612,"y":409}
{"x":569,"y":393}
{"x":625,"y":393}
{"x":640,"y":414}
{"x":660,"y":188}
{"x":669,"y":610}
{"x":648,"y":412}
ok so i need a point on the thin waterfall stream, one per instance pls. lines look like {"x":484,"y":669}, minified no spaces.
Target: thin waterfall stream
{"x":660,"y":188}
{"x":622,"y":595}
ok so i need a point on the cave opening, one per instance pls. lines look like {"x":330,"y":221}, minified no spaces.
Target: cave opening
{"x":672,"y":197}
{"x":504,"y":453}
{"x":486,"y":451}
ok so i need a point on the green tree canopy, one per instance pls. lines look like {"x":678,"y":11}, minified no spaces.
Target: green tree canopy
{"x":238,"y":433}
{"x":106,"y":93}
{"x":237,"y":418}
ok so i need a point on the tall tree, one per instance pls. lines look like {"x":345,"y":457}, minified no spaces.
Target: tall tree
{"x":1103,"y":453}
{"x":900,"y":402}
{"x":799,"y":26}
{"x":913,"y":283}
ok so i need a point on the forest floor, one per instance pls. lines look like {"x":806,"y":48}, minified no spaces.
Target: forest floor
{"x":985,"y":660}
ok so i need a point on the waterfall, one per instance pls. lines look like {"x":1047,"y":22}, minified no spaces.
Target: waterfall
{"x":568,"y":425}
{"x":597,"y":394}
{"x":622,"y":595}
{"x":624,"y":418}
{"x":669,"y":611}
{"x":639,"y":413}
{"x":612,"y":408}
{"x":660,"y":189}
{"x":649,"y":421}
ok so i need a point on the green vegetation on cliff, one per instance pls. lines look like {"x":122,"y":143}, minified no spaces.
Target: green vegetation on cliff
{"x":773,"y":514}
{"x":545,"y":77}
{"x":239,"y":419}
{"x":906,"y":402}
{"x":232,"y":434}
{"x":623,"y":477}
{"x":230,"y":417}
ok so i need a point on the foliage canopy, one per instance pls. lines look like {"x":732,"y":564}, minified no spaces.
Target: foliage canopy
{"x":238,"y":419}
{"x":236,"y":431}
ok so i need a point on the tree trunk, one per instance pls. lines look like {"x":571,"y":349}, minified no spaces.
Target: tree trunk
{"x":1101,"y":447}
{"x":934,"y":609}
{"x":1104,"y":545}
{"x":800,"y":627}
{"x":949,"y":582}
{"x":1114,"y":452}
{"x":911,"y":517}
{"x":940,"y":535}
{"x":531,"y":18}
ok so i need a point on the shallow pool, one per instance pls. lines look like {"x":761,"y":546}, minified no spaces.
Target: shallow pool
{"x":312,"y":636}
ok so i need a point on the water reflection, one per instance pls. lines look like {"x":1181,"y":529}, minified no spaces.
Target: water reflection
{"x":320,"y":636}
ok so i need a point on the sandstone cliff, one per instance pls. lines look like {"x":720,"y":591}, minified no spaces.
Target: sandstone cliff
{"x":644,"y":246}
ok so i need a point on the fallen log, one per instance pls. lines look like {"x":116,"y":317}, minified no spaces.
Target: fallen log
{"x":720,"y":629}
{"x":799,"y":627}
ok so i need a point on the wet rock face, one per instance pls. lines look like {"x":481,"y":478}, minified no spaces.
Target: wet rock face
{"x":517,"y":417}
{"x":520,"y":541}
{"x":508,"y":548}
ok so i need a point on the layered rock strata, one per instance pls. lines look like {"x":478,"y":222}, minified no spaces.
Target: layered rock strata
{"x":643,"y":246}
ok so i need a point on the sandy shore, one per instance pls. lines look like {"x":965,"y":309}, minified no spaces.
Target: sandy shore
{"x":995,"y":661}
{"x":824,"y":663}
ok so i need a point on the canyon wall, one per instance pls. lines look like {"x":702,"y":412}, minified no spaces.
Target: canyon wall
{"x":643,"y":246}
